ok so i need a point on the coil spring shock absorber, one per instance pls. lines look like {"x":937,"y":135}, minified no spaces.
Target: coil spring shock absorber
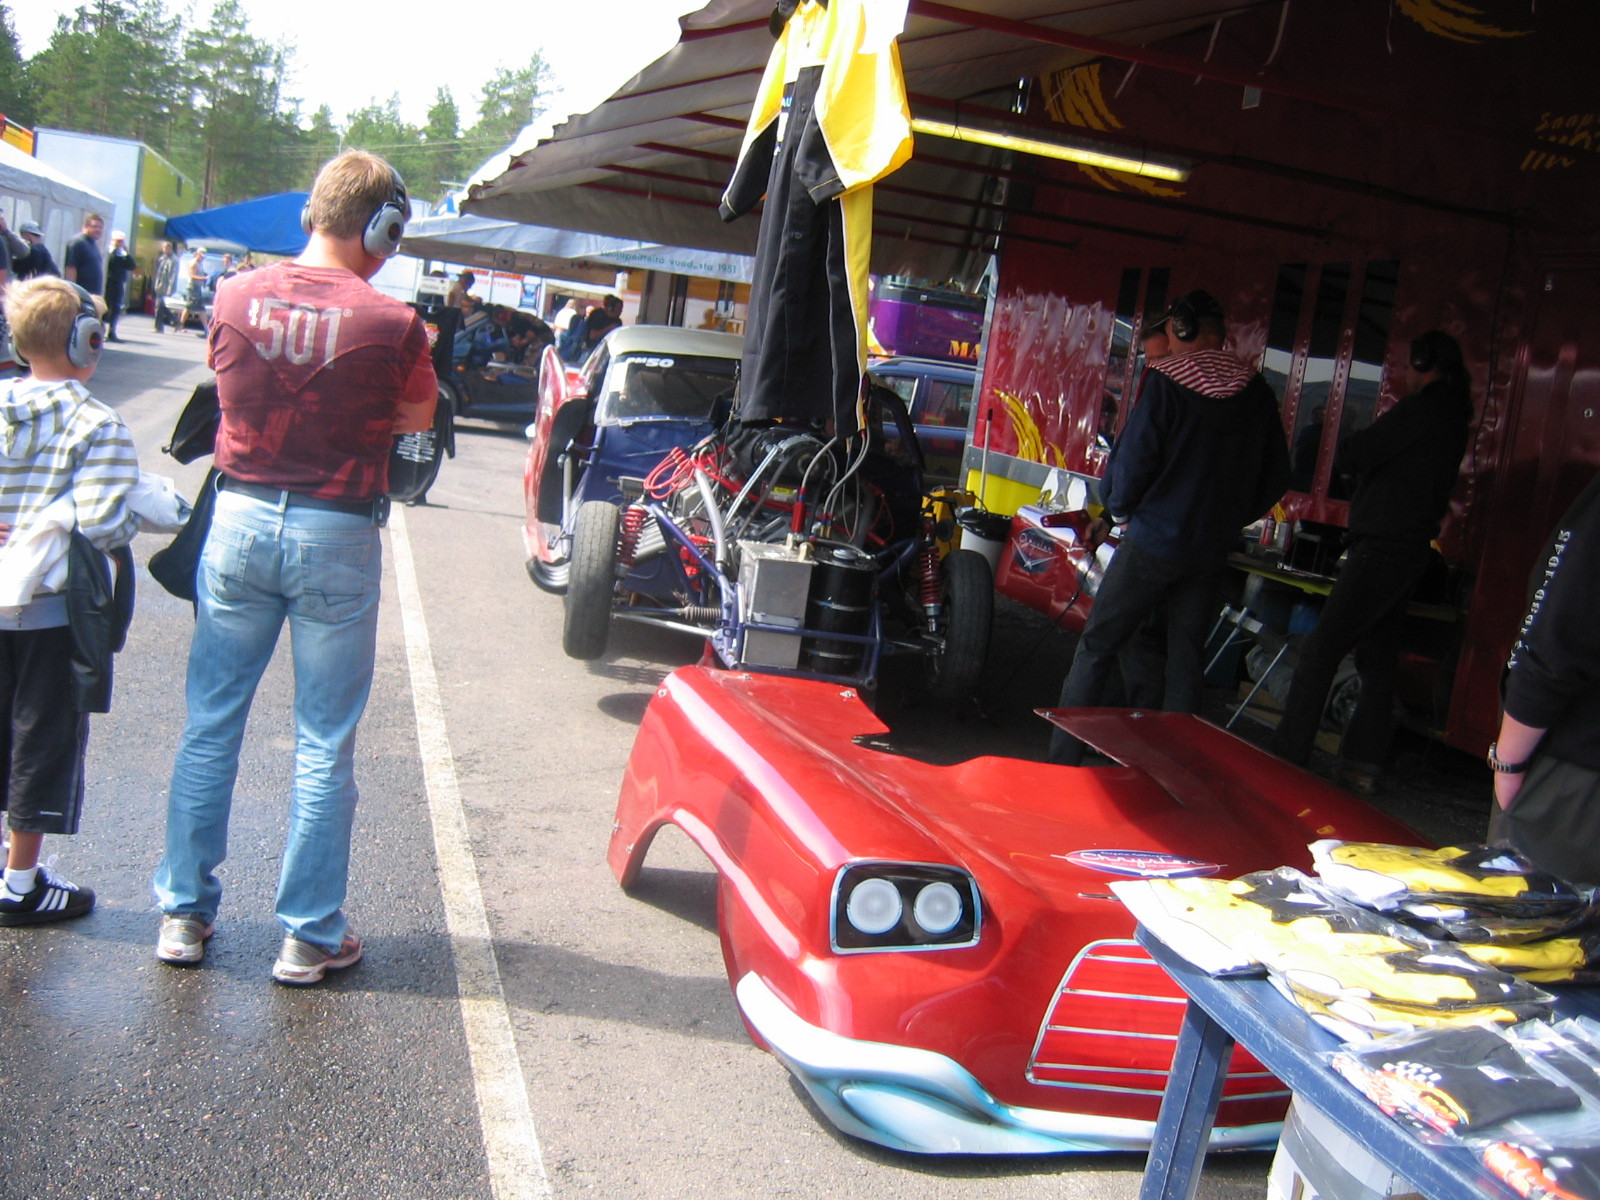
{"x":929,"y":590}
{"x":633,"y":519}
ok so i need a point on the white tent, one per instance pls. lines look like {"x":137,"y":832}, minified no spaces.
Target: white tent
{"x":32,"y":191}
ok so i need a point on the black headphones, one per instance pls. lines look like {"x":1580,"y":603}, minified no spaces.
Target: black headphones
{"x":1186,"y":312}
{"x":381,"y":237}
{"x":1437,"y":351}
{"x":87,"y":338}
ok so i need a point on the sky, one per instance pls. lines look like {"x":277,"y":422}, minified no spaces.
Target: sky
{"x":358,"y":54}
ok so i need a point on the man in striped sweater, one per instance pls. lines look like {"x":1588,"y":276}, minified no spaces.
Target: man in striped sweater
{"x":1202,"y":455}
{"x":61,"y":452}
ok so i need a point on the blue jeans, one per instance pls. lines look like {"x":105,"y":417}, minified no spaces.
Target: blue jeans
{"x":320,"y":569}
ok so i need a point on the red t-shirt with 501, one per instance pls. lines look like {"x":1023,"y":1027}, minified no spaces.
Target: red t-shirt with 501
{"x":316,"y":370}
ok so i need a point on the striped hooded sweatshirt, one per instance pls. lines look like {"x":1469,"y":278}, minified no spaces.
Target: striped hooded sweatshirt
{"x":56,"y":440}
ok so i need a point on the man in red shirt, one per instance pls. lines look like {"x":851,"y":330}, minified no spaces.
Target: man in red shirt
{"x":316,"y":373}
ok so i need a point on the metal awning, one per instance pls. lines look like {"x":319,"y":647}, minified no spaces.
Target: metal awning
{"x":651,"y":161}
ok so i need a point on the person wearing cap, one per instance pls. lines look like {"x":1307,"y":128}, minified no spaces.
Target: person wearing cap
{"x":119,"y":263}
{"x":1405,"y":464}
{"x":1202,"y":455}
{"x":38,"y":260}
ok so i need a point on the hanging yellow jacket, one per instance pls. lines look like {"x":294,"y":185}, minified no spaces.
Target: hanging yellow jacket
{"x":830,"y":118}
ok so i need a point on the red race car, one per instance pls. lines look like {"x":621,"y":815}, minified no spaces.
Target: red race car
{"x":934,"y":951}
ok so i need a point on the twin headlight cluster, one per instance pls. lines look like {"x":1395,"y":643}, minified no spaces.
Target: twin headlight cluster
{"x":903,"y":906}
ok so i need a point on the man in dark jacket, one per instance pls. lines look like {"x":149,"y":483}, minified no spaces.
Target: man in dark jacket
{"x":38,"y":261}
{"x":1405,"y":464}
{"x":1203,"y":455}
{"x":118,"y":266}
{"x":1546,"y":761}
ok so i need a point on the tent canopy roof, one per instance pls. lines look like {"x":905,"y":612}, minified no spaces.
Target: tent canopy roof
{"x":651,"y":161}
{"x":266,"y":225}
{"x":23,"y":173}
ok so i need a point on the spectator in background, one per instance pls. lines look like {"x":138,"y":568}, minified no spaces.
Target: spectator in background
{"x":1546,"y":761}
{"x":456,"y":297}
{"x":1405,"y":464}
{"x":81,"y":262}
{"x":572,"y":346}
{"x":194,"y":296}
{"x":38,"y":261}
{"x":163,"y":280}
{"x":119,"y":264}
{"x":11,"y":246}
{"x":226,"y":271}
{"x":601,"y":321}
{"x":572,"y":310}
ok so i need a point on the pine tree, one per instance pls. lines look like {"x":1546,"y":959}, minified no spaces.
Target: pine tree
{"x":244,"y":140}
{"x":16,"y":89}
{"x":512,"y":98}
{"x":110,"y":68}
{"x":446,"y":156}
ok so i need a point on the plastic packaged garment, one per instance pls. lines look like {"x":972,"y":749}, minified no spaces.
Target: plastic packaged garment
{"x":1354,"y":970}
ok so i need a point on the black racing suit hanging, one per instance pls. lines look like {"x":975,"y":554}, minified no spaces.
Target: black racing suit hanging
{"x":830,"y":119}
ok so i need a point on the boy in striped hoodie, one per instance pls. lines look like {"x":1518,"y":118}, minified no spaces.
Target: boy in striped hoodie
{"x":57,"y":443}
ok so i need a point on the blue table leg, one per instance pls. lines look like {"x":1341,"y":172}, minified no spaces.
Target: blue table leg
{"x":1188,"y":1109}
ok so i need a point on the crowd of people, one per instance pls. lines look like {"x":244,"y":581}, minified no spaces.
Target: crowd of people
{"x":491,"y":335}
{"x":182,"y":290}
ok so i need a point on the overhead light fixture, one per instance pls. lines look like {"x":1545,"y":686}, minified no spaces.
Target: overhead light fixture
{"x":1084,"y":151}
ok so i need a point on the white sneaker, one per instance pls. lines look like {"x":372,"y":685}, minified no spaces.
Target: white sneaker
{"x":183,"y":938}
{"x":300,"y":963}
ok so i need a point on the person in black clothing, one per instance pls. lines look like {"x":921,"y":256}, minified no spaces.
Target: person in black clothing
{"x":1405,"y":466}
{"x":1307,"y":444}
{"x":38,"y":261}
{"x":1202,"y":455}
{"x":81,"y":262}
{"x":600,"y":322}
{"x":1547,"y":758}
{"x":118,"y":265}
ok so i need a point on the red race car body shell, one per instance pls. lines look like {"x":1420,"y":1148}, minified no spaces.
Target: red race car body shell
{"x":1054,"y":1007}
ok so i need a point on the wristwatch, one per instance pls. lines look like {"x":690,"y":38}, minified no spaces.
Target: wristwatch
{"x":1505,"y":768}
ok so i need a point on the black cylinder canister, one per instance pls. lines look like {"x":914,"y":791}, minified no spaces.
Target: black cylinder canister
{"x":840,"y":601}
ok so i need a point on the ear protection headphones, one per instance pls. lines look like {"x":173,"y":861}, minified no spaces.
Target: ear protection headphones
{"x":1437,"y":351}
{"x":1186,"y":312}
{"x":381,"y":237}
{"x":87,"y":337}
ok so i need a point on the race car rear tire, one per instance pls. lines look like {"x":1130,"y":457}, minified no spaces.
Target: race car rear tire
{"x":968,"y":590}
{"x":591,"y":580}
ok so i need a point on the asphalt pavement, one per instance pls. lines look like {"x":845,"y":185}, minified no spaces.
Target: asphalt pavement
{"x":519,"y":1027}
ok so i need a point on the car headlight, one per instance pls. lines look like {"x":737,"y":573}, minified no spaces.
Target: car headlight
{"x":903,"y":906}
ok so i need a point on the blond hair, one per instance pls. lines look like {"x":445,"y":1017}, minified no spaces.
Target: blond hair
{"x":348,"y":191}
{"x":41,"y":312}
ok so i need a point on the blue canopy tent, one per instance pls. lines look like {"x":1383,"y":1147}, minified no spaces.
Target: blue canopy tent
{"x":265,"y":225}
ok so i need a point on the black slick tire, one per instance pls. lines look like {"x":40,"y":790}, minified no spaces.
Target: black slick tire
{"x":968,"y":589}
{"x":591,"y":580}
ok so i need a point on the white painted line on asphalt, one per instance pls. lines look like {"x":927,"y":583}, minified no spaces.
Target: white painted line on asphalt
{"x":516,"y":1165}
